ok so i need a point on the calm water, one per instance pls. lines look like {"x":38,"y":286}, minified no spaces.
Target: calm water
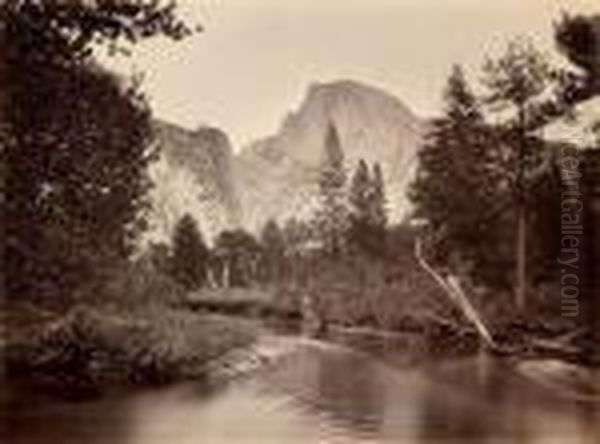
{"x":319,"y":394}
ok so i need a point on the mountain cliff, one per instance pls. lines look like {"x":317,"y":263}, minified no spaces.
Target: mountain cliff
{"x":192,"y":175}
{"x":278,"y":175}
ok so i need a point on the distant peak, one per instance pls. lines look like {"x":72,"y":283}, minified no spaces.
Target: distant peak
{"x":213,"y":137}
{"x":345,"y":85}
{"x":209,"y":130}
{"x":332,"y":91}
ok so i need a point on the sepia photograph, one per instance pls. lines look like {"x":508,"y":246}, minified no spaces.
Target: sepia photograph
{"x":300,"y":221}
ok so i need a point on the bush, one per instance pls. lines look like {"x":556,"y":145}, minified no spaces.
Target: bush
{"x":363,"y":291}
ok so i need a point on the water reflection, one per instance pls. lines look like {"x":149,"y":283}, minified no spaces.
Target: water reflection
{"x":344,"y":389}
{"x":320,"y":394}
{"x":28,"y":417}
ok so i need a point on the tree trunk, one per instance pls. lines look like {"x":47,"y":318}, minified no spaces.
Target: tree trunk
{"x":521,"y":259}
{"x":210,"y":278}
{"x":225,"y":283}
{"x":521,"y":238}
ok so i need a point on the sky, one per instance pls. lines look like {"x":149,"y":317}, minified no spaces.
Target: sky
{"x":255,"y":59}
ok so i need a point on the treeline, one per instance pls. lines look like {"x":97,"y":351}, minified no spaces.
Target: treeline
{"x":345,"y":265}
{"x":493,"y":195}
{"x":351,"y":217}
{"x":351,"y":220}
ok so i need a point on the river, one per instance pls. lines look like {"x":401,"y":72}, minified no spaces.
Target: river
{"x":318,"y":394}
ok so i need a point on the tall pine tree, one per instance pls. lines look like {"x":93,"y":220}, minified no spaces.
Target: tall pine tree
{"x":190,"y":258}
{"x":368,"y":217}
{"x":454,"y":189}
{"x":332,"y":217}
{"x":360,"y":206}
{"x":378,"y":210}
{"x":517,"y":84}
{"x":273,"y":251}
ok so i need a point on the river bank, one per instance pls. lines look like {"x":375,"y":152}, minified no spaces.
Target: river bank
{"x":90,"y":349}
{"x":439,"y":336}
{"x":289,"y":389}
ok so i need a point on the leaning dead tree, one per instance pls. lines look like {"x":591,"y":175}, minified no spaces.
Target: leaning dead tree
{"x":561,"y":345}
{"x":451,"y":286}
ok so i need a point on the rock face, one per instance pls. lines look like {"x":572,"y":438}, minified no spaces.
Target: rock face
{"x":278,"y":175}
{"x":192,"y":175}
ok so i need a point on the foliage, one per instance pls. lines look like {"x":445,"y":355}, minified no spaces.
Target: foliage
{"x":517,"y":78}
{"x":578,"y":38}
{"x":237,"y":255}
{"x":332,"y":217}
{"x":360,"y":290}
{"x":273,"y":263}
{"x":454,"y":188}
{"x":190,"y":256}
{"x":76,"y":143}
{"x":368,"y":218}
{"x":470,"y":174}
{"x":517,"y":85}
{"x":298,"y":236}
{"x":378,"y":201}
{"x":75,"y":179}
{"x":158,"y":255}
{"x":66,"y":32}
{"x":89,"y":349}
{"x":360,"y":195}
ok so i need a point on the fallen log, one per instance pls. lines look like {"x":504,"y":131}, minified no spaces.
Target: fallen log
{"x":457,"y":296}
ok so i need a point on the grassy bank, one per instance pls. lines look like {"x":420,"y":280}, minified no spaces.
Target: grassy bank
{"x":92,"y":348}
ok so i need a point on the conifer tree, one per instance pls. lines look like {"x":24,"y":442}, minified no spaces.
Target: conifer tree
{"x":517,"y":83}
{"x":379,"y":217}
{"x":360,"y":206}
{"x":273,"y":251}
{"x":190,"y":258}
{"x":368,"y":218}
{"x":453,"y":189}
{"x":332,"y":217}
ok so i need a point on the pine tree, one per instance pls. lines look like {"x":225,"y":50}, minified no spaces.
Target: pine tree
{"x":189,"y":263}
{"x":379,"y":218}
{"x":360,"y":207}
{"x":273,"y":251}
{"x":332,"y":217}
{"x":368,"y":217}
{"x":453,"y":188}
{"x":516,"y":82}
